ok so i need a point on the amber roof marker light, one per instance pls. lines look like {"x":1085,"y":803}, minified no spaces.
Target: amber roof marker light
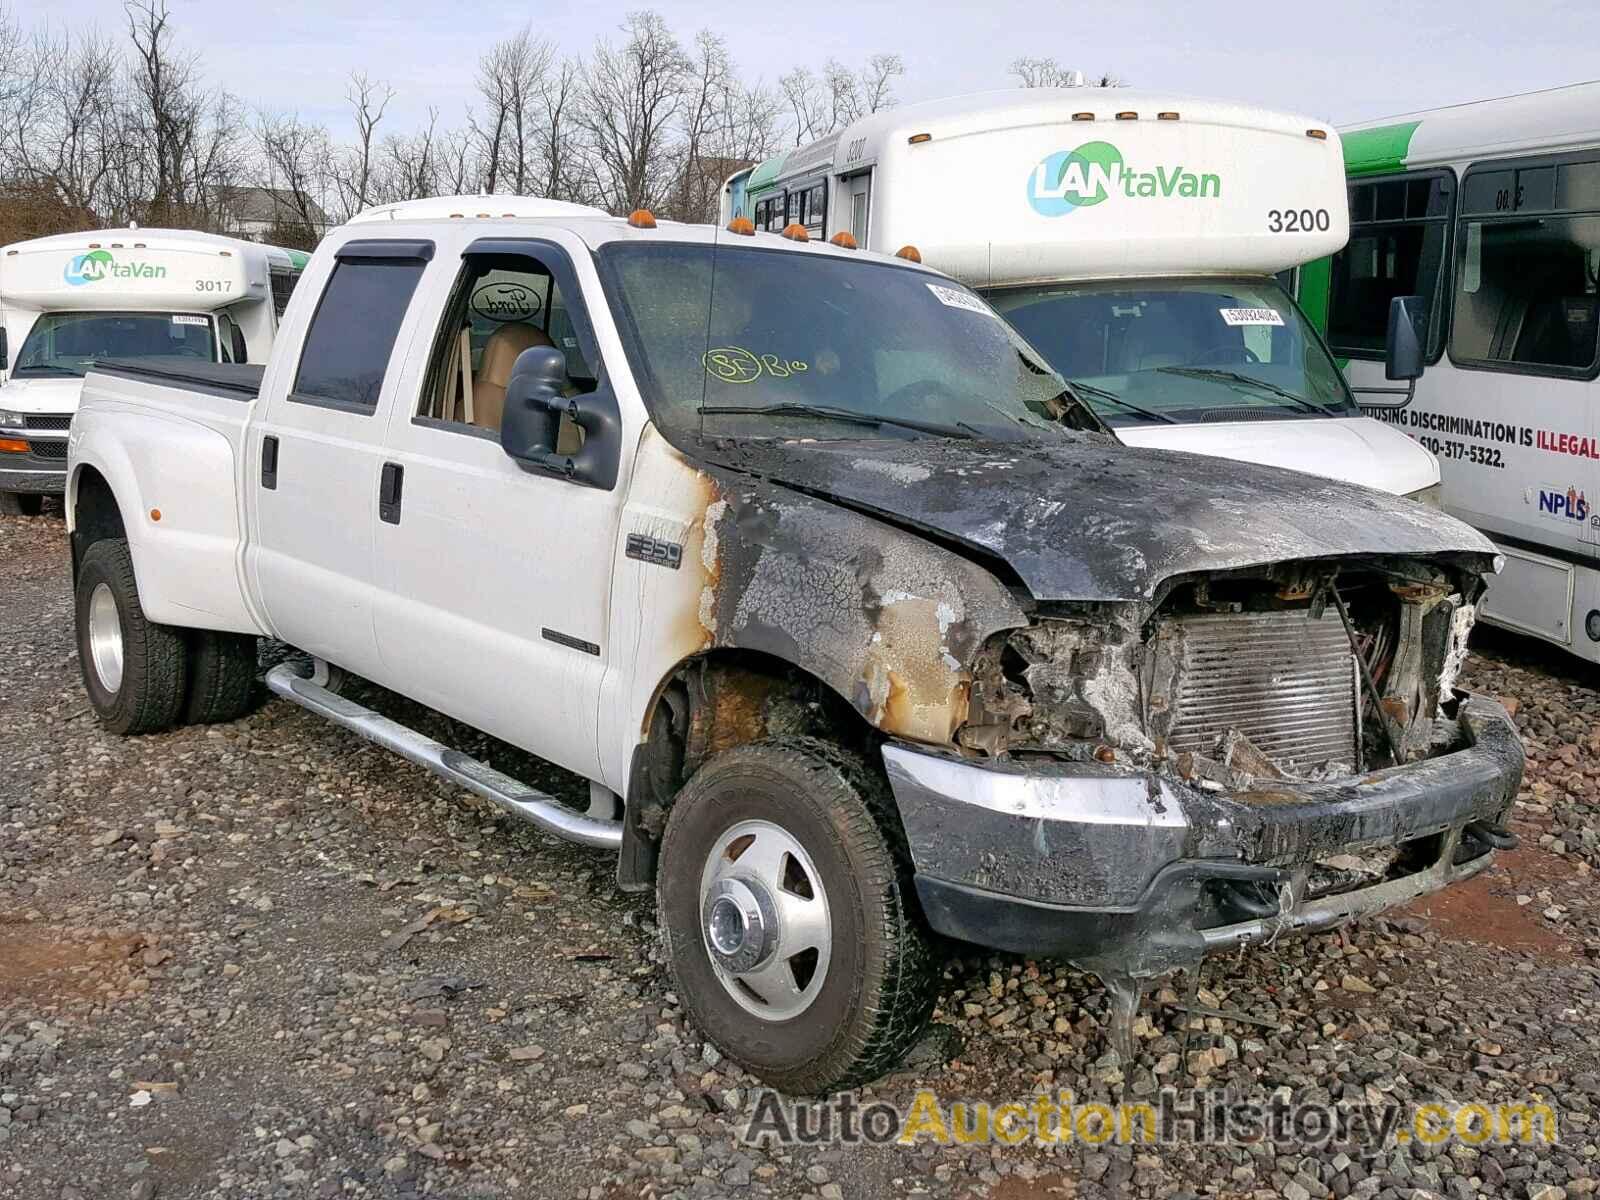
{"x":743,"y":226}
{"x":916,"y":139}
{"x":642,"y":218}
{"x":1320,"y":134}
{"x":909,"y":253}
{"x":796,"y":232}
{"x":842,"y":240}
{"x":1166,"y":116}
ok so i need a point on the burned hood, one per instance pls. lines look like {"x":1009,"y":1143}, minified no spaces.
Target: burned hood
{"x":1085,"y":518}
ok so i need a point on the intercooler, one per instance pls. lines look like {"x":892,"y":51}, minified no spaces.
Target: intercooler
{"x":1283,"y":680}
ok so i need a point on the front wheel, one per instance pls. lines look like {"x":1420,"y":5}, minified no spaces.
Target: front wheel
{"x":133,"y":669}
{"x":786,"y":908}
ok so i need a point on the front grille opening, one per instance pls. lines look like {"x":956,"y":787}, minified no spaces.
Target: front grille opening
{"x":1284,"y":680}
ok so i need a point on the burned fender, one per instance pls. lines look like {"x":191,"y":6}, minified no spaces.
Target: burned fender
{"x":888,"y":619}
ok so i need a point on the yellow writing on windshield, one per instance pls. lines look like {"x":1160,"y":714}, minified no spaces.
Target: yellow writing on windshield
{"x":735,"y":364}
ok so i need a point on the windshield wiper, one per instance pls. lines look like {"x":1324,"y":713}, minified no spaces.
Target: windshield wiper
{"x":1219,"y":373}
{"x":789,"y":408}
{"x":44,"y":368}
{"x":1112,"y":397}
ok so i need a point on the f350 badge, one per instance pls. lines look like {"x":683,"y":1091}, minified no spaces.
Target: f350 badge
{"x":652,"y":550}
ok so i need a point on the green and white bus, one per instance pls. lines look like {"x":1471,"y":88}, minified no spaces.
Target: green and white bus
{"x":1490,"y":212}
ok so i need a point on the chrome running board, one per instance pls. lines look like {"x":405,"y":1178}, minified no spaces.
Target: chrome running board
{"x":546,"y":812}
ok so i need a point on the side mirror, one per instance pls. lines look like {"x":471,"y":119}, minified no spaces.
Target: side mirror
{"x":1402,"y":347}
{"x":241,"y":352}
{"x":531,"y":422}
{"x":5,"y":350}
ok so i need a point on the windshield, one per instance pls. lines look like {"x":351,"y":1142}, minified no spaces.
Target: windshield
{"x":1180,"y":351}
{"x":68,"y":343}
{"x":785,"y":344}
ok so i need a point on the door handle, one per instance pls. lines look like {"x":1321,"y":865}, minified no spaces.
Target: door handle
{"x":389,"y":488}
{"x":269,"y":462}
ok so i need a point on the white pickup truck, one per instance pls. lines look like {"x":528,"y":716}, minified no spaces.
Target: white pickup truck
{"x":860,"y":625}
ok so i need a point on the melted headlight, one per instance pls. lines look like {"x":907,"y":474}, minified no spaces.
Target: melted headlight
{"x":1028,"y":690}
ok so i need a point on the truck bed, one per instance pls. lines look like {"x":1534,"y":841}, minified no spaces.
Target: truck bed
{"x":231,"y":381}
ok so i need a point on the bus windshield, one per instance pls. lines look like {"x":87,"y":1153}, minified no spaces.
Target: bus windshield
{"x":753,"y":342}
{"x":69,"y":343}
{"x":1181,"y":351}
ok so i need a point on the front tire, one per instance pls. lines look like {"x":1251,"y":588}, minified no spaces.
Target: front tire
{"x":785,"y":904}
{"x":21,"y":504}
{"x":133,"y":669}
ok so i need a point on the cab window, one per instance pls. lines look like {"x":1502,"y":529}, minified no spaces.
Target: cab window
{"x":353,"y":331}
{"x":501,"y":305}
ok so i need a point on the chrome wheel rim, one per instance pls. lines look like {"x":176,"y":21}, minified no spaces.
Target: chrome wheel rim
{"x":764,"y":920}
{"x":105,"y":638}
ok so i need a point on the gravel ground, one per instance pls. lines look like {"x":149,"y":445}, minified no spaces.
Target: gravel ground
{"x":265,"y":959}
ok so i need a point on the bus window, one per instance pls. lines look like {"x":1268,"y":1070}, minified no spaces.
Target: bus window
{"x":1398,"y":235}
{"x":1526,"y":278}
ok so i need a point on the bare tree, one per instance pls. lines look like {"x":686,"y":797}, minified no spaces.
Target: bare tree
{"x":298,"y":157}
{"x":632,"y":96}
{"x":352,"y":167}
{"x":823,"y":104}
{"x":191,"y":140}
{"x":510,"y":78}
{"x":562,"y":169}
{"x":1045,"y":72}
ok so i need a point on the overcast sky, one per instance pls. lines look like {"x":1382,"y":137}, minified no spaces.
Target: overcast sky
{"x":1343,"y":61}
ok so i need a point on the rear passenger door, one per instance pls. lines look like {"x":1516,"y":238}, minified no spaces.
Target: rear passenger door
{"x":495,"y":580}
{"x":317,"y":454}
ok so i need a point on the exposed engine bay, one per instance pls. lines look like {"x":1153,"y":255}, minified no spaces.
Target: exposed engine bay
{"x":1298,"y":671}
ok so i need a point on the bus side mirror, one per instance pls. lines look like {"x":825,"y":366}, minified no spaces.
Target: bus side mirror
{"x":5,"y":350}
{"x":1402,"y":349}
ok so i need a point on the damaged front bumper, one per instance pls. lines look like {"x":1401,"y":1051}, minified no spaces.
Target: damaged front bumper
{"x":1128,"y":868}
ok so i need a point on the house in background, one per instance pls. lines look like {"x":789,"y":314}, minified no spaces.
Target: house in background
{"x":274,"y":215}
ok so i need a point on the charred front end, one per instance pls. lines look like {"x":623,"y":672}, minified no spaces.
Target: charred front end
{"x":1254,"y":751}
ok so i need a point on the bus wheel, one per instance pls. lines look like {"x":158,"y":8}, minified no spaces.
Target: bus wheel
{"x":785,"y":903}
{"x":21,"y":504}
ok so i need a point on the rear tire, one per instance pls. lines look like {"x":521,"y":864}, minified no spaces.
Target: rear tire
{"x":768,"y":829}
{"x":21,"y":504}
{"x":222,"y":677}
{"x":133,"y":669}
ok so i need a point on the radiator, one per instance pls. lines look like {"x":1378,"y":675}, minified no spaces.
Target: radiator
{"x":1285,"y":681}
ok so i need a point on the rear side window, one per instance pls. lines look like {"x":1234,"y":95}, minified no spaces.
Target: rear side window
{"x":352,"y":335}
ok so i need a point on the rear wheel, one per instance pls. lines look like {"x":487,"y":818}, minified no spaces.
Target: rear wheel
{"x":787,"y":912}
{"x":222,"y":677}
{"x":133,"y":669}
{"x":21,"y":504}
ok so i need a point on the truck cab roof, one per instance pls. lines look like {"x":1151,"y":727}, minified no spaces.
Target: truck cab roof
{"x":533,"y":216}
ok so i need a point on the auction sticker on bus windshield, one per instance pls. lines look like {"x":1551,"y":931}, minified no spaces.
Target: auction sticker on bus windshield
{"x":956,"y":298}
{"x":1251,"y":316}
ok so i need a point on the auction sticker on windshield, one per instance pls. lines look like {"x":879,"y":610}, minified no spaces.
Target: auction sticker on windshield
{"x":956,"y":298}
{"x":1251,"y":316}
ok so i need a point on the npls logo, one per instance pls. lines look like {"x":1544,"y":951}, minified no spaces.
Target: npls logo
{"x":1072,"y":179}
{"x":1569,"y":505}
{"x":101,"y":264}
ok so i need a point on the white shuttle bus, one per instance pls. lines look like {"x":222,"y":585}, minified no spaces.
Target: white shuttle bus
{"x":1490,"y":212}
{"x":68,"y":300}
{"x":1134,"y":238}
